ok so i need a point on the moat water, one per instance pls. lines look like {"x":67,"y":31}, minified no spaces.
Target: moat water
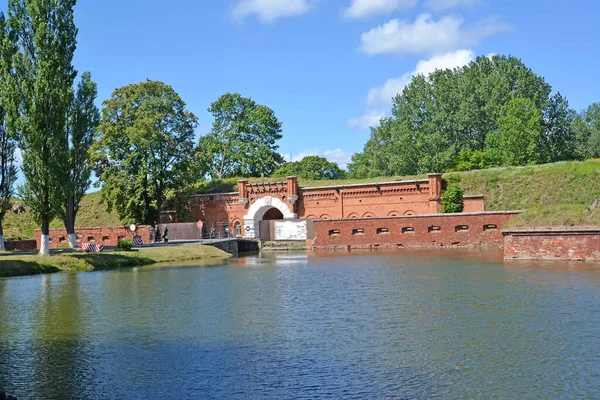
{"x":398,"y":325}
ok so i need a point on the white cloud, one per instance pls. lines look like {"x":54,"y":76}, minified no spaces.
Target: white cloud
{"x":440,"y":5}
{"x":301,"y":155}
{"x":369,"y":119}
{"x":383,"y":95}
{"x":367,"y":8}
{"x":339,"y":156}
{"x":271,"y":10}
{"x":18,"y":157}
{"x":427,"y":35}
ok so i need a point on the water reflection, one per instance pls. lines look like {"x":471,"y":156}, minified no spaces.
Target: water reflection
{"x":410,"y":324}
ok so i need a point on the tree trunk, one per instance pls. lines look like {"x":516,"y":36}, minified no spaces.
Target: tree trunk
{"x":69,"y":221}
{"x":2,"y":248}
{"x":45,"y":239}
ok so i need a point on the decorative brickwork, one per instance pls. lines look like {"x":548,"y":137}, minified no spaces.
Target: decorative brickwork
{"x":568,"y":243}
{"x":104,"y":236}
{"x":435,"y":230}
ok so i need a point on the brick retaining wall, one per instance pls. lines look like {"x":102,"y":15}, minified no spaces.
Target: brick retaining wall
{"x":568,"y":243}
{"x":27,"y":244}
{"x":106,"y":236}
{"x":466,"y":229}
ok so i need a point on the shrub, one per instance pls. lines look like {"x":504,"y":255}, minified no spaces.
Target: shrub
{"x":125,"y":244}
{"x":452,"y":200}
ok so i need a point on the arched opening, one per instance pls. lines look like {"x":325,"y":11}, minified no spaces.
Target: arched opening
{"x":266,"y":208}
{"x":272,"y":215}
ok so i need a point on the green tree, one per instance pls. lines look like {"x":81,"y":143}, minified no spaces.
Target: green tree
{"x":46,"y":38}
{"x":559,"y":132}
{"x":81,"y":128}
{"x":519,"y":136}
{"x":311,"y":167}
{"x":144,"y":150}
{"x":586,"y":127}
{"x":453,"y":200}
{"x":438,"y":117}
{"x":8,"y":115}
{"x":243,"y":139}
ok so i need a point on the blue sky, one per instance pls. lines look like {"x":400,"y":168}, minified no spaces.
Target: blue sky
{"x":328,"y":67}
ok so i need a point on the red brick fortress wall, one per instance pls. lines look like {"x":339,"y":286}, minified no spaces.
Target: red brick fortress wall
{"x":435,"y":230}
{"x":104,"y":236}
{"x":572,"y":243}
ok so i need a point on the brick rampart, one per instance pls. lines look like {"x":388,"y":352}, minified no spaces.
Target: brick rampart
{"x":572,"y":243}
{"x":106,"y":236}
{"x":27,"y":244}
{"x":466,"y":229}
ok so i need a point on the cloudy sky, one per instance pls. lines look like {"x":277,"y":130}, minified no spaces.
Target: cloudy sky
{"x":329,"y":68}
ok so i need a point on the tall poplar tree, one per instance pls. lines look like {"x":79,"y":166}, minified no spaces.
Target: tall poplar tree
{"x":46,"y":37}
{"x":82,"y":122}
{"x":8,"y":116}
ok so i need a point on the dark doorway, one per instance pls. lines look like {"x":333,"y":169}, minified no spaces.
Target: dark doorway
{"x":272,"y":214}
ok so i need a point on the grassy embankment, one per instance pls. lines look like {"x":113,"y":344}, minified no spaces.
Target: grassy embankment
{"x":91,"y":213}
{"x":553,"y":194}
{"x":18,"y":265}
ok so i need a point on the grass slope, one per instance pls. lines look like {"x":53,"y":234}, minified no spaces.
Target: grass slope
{"x":18,"y":265}
{"x":91,"y":213}
{"x":553,"y":194}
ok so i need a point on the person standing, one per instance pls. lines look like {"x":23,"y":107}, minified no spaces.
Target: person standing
{"x":166,"y":235}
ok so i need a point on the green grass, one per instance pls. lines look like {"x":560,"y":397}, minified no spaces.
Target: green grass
{"x":560,"y":215}
{"x":18,"y":265}
{"x":522,"y":188}
{"x":91,"y":214}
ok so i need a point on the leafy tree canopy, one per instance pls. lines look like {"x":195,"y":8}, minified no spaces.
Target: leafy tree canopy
{"x":243,"y":139}
{"x":440,"y":121}
{"x":145,"y":149}
{"x":311,"y":167}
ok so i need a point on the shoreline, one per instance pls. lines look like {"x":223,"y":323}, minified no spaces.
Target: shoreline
{"x":25,"y":265}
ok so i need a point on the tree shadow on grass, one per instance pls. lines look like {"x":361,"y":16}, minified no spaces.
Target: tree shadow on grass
{"x":109,"y":261}
{"x":20,"y":268}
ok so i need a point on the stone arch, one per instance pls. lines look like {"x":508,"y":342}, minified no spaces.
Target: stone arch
{"x":325,"y":216}
{"x":353,"y":215}
{"x":311,"y":217}
{"x":393,"y":214}
{"x":368,"y":215}
{"x":257,"y":212}
{"x":409,"y":212}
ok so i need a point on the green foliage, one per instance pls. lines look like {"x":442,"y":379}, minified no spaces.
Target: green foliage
{"x":243,"y":139}
{"x":452,"y":200}
{"x":125,"y":244}
{"x":443,"y":122}
{"x":144,"y":150}
{"x":81,"y":129}
{"x":517,"y":141}
{"x":556,"y":215}
{"x":311,"y":167}
{"x":46,"y":38}
{"x":8,"y":114}
{"x":586,"y":128}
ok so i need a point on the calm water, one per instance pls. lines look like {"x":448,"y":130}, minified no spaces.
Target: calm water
{"x":399,"y":325}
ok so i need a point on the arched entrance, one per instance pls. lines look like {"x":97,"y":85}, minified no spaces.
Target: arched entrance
{"x":265,"y":207}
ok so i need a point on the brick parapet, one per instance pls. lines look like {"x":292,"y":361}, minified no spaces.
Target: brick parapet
{"x":552,"y":243}
{"x":433,"y":230}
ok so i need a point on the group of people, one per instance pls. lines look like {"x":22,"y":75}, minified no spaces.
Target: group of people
{"x":157,"y":237}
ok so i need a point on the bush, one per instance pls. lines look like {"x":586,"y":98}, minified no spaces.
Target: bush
{"x":125,"y":244}
{"x":452,"y":200}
